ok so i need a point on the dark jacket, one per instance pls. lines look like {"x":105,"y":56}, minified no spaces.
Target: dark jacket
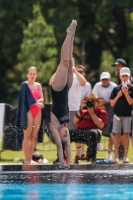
{"x":25,"y":100}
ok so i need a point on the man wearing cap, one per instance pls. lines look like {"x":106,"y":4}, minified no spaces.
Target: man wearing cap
{"x":118,"y":64}
{"x":122,"y":99}
{"x":88,"y":119}
{"x":103,"y":89}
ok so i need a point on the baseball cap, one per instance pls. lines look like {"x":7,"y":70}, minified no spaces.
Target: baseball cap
{"x":120,"y":61}
{"x":125,"y":70}
{"x":105,"y":75}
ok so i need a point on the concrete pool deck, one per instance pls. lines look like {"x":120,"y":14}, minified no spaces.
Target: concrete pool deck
{"x":81,"y":173}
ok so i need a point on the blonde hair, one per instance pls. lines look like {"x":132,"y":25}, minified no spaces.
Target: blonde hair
{"x":32,"y":67}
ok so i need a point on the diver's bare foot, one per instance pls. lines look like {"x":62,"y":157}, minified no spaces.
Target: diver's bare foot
{"x":72,"y":27}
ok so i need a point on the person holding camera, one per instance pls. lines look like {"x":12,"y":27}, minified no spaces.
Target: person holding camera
{"x":103,"y":89}
{"x":122,"y":100}
{"x":88,"y":120}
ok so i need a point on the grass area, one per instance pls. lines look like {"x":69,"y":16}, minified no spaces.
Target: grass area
{"x":48,"y":150}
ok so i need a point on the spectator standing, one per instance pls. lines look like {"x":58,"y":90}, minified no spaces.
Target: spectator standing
{"x":118,"y":64}
{"x":122,"y":100}
{"x":28,"y":116}
{"x":74,"y":96}
{"x":85,"y":92}
{"x":103,"y":89}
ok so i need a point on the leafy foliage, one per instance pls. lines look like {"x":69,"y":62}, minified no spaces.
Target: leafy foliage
{"x":104,"y":29}
{"x":38,"y":47}
{"x":13,"y":15}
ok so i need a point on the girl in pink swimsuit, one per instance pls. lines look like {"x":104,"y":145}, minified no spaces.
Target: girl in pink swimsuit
{"x":36,"y":94}
{"x":33,"y":116}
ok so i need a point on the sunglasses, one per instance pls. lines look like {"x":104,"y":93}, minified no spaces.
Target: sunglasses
{"x":80,"y":72}
{"x":105,"y":79}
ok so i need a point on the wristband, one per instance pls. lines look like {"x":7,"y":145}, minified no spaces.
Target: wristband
{"x":77,"y":116}
{"x":80,"y":111}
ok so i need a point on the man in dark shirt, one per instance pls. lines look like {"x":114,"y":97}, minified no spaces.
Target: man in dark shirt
{"x":118,"y":64}
{"x":122,"y":100}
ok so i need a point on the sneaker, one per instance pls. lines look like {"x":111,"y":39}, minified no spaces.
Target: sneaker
{"x":56,"y":161}
{"x":109,"y":156}
{"x":63,"y":166}
{"x":116,"y":160}
{"x":125,"y":160}
{"x":83,"y":157}
{"x":92,"y":160}
{"x":99,"y":146}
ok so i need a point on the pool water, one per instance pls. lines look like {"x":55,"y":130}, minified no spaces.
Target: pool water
{"x":55,"y":191}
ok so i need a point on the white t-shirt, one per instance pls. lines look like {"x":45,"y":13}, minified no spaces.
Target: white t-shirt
{"x":85,"y":90}
{"x":74,"y":95}
{"x":103,"y":92}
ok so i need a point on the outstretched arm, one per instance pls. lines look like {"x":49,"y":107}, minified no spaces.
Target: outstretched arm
{"x":80,"y":78}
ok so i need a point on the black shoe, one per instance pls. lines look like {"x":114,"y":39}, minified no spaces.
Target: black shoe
{"x":83,"y":157}
{"x":56,"y":161}
{"x":77,"y":159}
{"x":121,"y":152}
{"x":91,"y":159}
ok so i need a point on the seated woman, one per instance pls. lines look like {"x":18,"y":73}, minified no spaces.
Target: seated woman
{"x":88,"y":120}
{"x":60,"y":83}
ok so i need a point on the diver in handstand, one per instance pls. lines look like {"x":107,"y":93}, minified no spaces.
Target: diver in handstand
{"x":60,"y":83}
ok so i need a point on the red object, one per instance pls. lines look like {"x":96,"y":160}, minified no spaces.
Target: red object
{"x":36,"y":94}
{"x":87,"y":122}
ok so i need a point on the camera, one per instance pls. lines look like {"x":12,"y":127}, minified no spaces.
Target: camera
{"x":90,"y":103}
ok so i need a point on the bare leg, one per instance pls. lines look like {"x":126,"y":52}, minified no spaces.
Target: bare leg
{"x":110,"y":145}
{"x":78,"y":149}
{"x":54,"y":127}
{"x":116,"y":143}
{"x":126,"y":143}
{"x":71,"y":62}
{"x":27,"y":135}
{"x":60,"y":79}
{"x":30,"y":135}
{"x":35,"y":129}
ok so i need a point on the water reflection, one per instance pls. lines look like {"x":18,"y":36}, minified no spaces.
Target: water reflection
{"x":66,"y":191}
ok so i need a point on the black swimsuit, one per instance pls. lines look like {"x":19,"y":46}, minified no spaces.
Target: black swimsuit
{"x":60,"y":105}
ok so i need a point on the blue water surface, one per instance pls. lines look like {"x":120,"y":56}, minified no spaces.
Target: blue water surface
{"x":63,"y":191}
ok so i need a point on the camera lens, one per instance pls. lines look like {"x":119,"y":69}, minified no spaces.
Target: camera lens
{"x":89,"y":104}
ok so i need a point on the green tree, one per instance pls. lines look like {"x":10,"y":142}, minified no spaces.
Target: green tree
{"x":103,"y":25}
{"x":13,"y":15}
{"x":38,"y":48}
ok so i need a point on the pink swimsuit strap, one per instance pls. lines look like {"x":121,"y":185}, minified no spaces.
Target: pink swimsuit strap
{"x":36,"y":94}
